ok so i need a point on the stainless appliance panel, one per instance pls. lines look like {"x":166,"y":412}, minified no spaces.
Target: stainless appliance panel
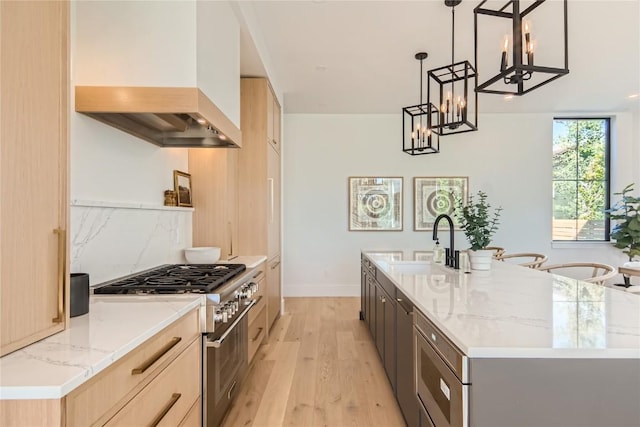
{"x":438,"y":389}
{"x":226,"y":365}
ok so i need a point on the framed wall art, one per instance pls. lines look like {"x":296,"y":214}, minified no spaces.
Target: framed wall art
{"x":182,"y":187}
{"x":433,"y":196}
{"x":375,"y":203}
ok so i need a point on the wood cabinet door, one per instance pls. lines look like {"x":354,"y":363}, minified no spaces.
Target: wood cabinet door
{"x":33,"y":164}
{"x":274,"y":294}
{"x":270,"y":118}
{"x":277,"y":131}
{"x":273,"y":200}
{"x":390,"y":340}
{"x":371,"y":302}
{"x":214,"y":181}
{"x":363,"y":294}
{"x":231,"y":204}
{"x":380,"y":302}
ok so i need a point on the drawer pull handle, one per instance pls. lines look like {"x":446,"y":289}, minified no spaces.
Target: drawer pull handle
{"x":231,"y":390}
{"x":156,"y":356}
{"x":383,"y":299}
{"x":444,"y":388}
{"x":257,"y":335}
{"x":174,"y":399}
{"x":275,"y":265}
{"x":258,"y":274}
{"x":62,"y":263}
{"x":433,"y":337}
{"x":399,"y":299}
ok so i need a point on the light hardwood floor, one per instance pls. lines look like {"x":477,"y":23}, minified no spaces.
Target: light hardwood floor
{"x":318,"y":368}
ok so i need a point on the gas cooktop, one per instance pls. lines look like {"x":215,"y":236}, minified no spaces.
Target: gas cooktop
{"x":174,"y":279}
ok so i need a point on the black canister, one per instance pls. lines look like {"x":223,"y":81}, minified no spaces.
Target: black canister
{"x":79,"y":294}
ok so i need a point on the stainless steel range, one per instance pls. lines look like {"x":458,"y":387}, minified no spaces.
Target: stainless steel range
{"x":229,"y":291}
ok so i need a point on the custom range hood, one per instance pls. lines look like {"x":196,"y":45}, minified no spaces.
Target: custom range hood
{"x":165,"y":116}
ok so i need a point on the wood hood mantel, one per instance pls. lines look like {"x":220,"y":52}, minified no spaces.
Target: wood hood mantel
{"x":165,"y":116}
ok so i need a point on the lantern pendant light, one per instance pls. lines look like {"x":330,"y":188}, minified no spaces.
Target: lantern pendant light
{"x":452,"y":89}
{"x":517,"y":72}
{"x":417,"y":135}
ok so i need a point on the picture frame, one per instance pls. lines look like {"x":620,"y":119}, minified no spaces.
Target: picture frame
{"x":182,"y":187}
{"x":375,"y":203}
{"x":433,"y":196}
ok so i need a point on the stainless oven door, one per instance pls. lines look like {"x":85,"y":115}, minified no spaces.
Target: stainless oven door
{"x":442,"y":394}
{"x":225,"y":364}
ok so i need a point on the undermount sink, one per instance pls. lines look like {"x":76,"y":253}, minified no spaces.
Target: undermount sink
{"x":410,"y":267}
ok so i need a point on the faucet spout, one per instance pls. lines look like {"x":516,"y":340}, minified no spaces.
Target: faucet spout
{"x":452,"y":257}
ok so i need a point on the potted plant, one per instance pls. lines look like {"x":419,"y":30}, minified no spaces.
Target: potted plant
{"x":627,"y":231}
{"x":479,"y":226}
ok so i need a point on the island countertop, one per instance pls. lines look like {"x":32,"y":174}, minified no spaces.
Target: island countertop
{"x":115,"y":325}
{"x":517,"y":312}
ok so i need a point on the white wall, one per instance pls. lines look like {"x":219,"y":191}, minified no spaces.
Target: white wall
{"x":120,"y":176}
{"x":218,"y":54}
{"x":509,"y":158}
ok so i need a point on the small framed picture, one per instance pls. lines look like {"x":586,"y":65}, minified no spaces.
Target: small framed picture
{"x":375,"y":203}
{"x":182,"y":186}
{"x":433,"y":196}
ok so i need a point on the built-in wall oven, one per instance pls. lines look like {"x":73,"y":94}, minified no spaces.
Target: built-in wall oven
{"x":441,"y":377}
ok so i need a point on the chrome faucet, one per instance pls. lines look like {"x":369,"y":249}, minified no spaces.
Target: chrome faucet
{"x":451,"y":256}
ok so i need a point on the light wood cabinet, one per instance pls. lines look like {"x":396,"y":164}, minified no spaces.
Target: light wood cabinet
{"x":194,"y":417}
{"x":273,"y":120}
{"x":259,"y":184}
{"x":258,"y":314}
{"x":99,"y":399}
{"x":214,"y":180}
{"x":273,"y":212}
{"x":169,"y":397}
{"x":34,"y":38}
{"x":274,"y":290}
{"x":135,"y":390}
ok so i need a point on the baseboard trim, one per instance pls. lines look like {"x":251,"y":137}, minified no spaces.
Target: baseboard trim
{"x":322,"y":291}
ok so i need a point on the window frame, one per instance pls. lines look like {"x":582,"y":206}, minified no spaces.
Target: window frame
{"x":607,"y":179}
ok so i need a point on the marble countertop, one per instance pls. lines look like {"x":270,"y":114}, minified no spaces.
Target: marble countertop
{"x":513,"y":311}
{"x":251,"y":261}
{"x":115,"y":325}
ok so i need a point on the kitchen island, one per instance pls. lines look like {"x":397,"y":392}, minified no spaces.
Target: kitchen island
{"x":514,"y":346}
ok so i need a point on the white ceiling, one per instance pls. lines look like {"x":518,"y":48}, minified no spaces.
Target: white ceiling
{"x":358,"y":56}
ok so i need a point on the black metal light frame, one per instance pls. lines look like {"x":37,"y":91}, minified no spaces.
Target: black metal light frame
{"x":449,"y":121}
{"x":454,"y":117}
{"x":418,"y":142}
{"x":518,"y":74}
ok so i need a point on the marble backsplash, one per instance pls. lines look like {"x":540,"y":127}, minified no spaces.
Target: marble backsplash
{"x":111,"y":240}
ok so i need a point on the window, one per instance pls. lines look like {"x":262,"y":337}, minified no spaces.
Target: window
{"x":580,"y":178}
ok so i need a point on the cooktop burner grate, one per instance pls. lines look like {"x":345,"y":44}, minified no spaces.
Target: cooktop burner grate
{"x":175,"y":278}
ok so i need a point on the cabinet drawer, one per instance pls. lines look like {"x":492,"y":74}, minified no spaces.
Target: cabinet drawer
{"x":257,"y":329}
{"x":97,"y":400}
{"x":449,"y":352}
{"x":193,"y":418}
{"x":169,"y":397}
{"x":255,"y":310}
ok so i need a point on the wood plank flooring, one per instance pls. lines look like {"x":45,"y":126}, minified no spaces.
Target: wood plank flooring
{"x":319,"y":367}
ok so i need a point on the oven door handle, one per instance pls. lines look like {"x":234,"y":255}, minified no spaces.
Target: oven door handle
{"x":217,"y":343}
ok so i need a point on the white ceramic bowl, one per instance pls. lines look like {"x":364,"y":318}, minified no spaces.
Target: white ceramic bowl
{"x":202,"y":255}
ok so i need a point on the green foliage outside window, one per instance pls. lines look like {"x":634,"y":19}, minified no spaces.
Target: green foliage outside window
{"x":580,"y":176}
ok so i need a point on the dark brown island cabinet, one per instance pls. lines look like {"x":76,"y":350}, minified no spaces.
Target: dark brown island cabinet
{"x":437,"y":385}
